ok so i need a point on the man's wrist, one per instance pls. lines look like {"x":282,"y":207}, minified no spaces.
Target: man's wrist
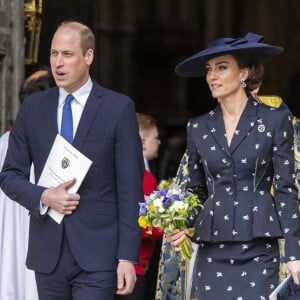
{"x":43,"y":207}
{"x":126,"y":260}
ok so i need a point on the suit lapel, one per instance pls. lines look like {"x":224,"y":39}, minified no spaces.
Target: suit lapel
{"x":246,"y":123}
{"x":217,"y":129}
{"x":50,"y":113}
{"x":90,"y":110}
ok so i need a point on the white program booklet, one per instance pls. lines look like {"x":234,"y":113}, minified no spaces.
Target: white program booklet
{"x":64,"y":163}
{"x":280,"y":287}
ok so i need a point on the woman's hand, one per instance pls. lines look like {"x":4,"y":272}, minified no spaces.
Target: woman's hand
{"x":177,"y":237}
{"x":293,"y":268}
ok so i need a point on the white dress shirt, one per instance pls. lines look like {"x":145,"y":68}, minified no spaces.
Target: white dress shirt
{"x":146,"y":164}
{"x":77,"y":105}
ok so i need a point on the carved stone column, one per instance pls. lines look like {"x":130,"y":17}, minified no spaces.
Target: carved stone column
{"x":18,"y":53}
{"x":11,"y":59}
{"x":33,"y":24}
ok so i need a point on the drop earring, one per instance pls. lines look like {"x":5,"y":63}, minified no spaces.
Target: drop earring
{"x":243,"y":83}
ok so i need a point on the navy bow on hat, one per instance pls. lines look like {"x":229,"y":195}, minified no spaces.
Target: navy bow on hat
{"x":248,"y":38}
{"x":251,"y":44}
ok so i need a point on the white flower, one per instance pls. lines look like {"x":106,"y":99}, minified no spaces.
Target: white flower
{"x":152,"y":197}
{"x":178,"y":205}
{"x":157,"y":203}
{"x":174,"y":192}
{"x":161,"y":210}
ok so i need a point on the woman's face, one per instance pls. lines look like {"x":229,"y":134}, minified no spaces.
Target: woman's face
{"x":223,"y":76}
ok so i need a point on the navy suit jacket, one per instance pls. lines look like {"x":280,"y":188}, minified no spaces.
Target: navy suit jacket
{"x":104,"y":227}
{"x":238,"y":178}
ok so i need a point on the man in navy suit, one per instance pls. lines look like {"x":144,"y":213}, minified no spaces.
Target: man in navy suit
{"x":91,"y":254}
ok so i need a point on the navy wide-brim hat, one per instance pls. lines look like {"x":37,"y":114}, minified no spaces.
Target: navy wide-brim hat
{"x":251,"y":44}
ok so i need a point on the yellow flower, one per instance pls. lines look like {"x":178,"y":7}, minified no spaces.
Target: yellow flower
{"x":180,"y":211}
{"x":152,"y":207}
{"x":142,"y":222}
{"x":164,"y":184}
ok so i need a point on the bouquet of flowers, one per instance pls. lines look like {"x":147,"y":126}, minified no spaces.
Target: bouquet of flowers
{"x":168,"y":209}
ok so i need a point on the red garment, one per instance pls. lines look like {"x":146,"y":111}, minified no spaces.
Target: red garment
{"x":148,"y":240}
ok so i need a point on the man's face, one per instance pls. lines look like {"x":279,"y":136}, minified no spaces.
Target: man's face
{"x":70,"y":67}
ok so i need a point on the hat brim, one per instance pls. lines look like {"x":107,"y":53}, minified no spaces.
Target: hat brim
{"x":195,"y":65}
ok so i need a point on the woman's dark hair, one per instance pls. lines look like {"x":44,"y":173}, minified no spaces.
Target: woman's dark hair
{"x":256,"y":71}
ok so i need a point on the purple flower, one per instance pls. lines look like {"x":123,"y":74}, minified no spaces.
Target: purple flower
{"x":174,"y":197}
{"x":143,"y":209}
{"x":166,"y":201}
{"x":163,"y":192}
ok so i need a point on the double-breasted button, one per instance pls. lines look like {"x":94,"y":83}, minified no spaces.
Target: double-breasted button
{"x":229,"y":191}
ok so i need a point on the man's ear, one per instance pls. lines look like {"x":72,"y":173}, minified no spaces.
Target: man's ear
{"x":89,"y":56}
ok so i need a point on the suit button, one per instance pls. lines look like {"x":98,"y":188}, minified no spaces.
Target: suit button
{"x":228,"y":164}
{"x":229,"y":191}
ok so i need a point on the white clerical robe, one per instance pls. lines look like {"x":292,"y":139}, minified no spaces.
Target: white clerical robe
{"x":16,"y":281}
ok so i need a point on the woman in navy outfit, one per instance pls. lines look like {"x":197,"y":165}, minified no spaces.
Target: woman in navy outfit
{"x":236,"y":152}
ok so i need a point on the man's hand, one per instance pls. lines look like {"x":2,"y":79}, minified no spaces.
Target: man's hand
{"x":126,"y":277}
{"x":59,"y":199}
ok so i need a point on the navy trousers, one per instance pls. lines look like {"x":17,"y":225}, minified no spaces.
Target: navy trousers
{"x":69,"y":282}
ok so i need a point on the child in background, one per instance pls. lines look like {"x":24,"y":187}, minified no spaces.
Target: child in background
{"x":150,"y":141}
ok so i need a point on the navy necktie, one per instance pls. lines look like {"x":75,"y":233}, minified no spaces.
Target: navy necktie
{"x":66,"y":130}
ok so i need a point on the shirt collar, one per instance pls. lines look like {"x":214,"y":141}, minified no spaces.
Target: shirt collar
{"x":81,"y":95}
{"x":147,"y":167}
